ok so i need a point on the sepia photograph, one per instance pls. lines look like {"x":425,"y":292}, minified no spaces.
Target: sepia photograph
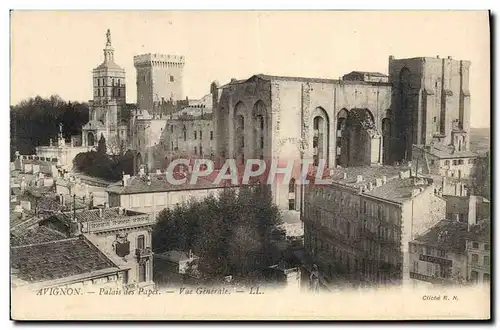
{"x":250,"y":165}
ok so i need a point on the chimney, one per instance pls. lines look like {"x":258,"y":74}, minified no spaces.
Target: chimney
{"x":61,"y":199}
{"x":158,"y":171}
{"x":126,"y":178}
{"x":472,"y":220}
{"x":106,"y":206}
{"x":454,"y":217}
{"x":450,"y":58}
{"x":359,"y":179}
{"x":100,"y":212}
{"x":370,"y":186}
{"x":345,"y":175}
{"x":384,"y":179}
{"x":332,"y":171}
{"x":443,"y":185}
{"x":190,"y":254}
{"x":149,"y":180}
{"x":141,"y":171}
{"x":378,"y":182}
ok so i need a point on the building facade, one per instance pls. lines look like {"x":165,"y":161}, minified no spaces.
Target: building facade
{"x":479,"y":252}
{"x":431,"y":103}
{"x":357,"y":228}
{"x":159,"y":79}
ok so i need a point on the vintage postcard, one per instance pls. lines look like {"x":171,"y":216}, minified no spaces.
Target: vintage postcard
{"x":250,"y":165}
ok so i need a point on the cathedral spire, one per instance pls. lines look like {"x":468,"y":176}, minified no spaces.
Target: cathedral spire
{"x":108,"y":50}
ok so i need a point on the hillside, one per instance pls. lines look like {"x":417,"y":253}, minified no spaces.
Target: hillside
{"x":480,"y":140}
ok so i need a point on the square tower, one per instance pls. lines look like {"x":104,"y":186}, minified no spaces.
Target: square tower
{"x":430,"y":103}
{"x":159,"y":80}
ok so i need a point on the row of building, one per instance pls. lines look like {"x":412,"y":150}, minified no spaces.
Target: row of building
{"x":396,"y":148}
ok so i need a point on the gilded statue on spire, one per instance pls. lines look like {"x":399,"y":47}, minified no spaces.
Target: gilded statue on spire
{"x":108,"y":38}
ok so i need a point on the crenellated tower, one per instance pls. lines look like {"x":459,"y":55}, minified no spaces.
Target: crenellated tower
{"x":159,"y":80}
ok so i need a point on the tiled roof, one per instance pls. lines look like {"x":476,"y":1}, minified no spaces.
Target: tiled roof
{"x":57,"y":259}
{"x":35,"y":235}
{"x":399,"y":190}
{"x":443,"y":152}
{"x":109,"y":65}
{"x":446,"y":235}
{"x":369,"y":174}
{"x":97,"y":215}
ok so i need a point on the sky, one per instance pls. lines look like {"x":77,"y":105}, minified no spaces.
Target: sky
{"x":54,"y":52}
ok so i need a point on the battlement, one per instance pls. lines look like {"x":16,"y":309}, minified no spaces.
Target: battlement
{"x":158,"y":60}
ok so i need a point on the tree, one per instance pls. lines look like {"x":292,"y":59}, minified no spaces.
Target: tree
{"x":101,"y":146}
{"x":481,"y":176}
{"x":230,"y":233}
{"x":35,"y":121}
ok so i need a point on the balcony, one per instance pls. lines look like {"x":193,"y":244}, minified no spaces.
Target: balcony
{"x":143,"y":253}
{"x":119,"y":223}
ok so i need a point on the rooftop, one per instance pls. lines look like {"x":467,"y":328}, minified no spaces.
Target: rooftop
{"x":303,"y":79}
{"x":159,"y":183}
{"x":57,"y":259}
{"x":112,"y":213}
{"x":175,"y":256}
{"x":398,"y":187}
{"x":373,"y":74}
{"x":446,"y":235}
{"x":35,"y":235}
{"x":444,"y":152}
{"x":399,"y":190}
{"x":348,"y":176}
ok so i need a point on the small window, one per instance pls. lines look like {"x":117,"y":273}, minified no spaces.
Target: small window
{"x":432,"y":161}
{"x":211,"y":135}
{"x":195,"y":150}
{"x":201,"y":135}
{"x":446,"y":162}
{"x":140,"y":242}
{"x":487,"y":247}
{"x":142,"y":272}
{"x":486,"y":260}
{"x":195,"y":135}
{"x":475,"y":245}
{"x":171,"y":78}
{"x":291,"y":204}
{"x":201,"y":151}
{"x":475,"y":259}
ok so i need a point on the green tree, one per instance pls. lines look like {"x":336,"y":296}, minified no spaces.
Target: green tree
{"x":101,"y":146}
{"x":230,"y":233}
{"x":481,"y":176}
{"x":35,"y":121}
